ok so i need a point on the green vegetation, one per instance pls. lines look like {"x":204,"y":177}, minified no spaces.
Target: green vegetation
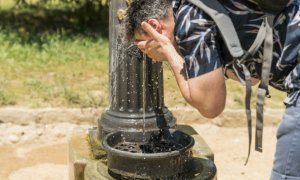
{"x":56,"y":55}
{"x":235,"y":94}
{"x":65,"y":73}
{"x":51,"y":55}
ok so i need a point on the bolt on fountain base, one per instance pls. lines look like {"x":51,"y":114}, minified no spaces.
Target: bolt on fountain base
{"x":87,"y":159}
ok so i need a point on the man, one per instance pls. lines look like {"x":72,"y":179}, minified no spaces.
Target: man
{"x":182,"y":34}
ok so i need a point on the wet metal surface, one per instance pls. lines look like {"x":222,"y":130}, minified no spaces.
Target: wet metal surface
{"x":163,"y":154}
{"x":199,"y":167}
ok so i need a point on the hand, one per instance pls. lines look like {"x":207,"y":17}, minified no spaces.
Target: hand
{"x":156,"y":46}
{"x":152,"y":49}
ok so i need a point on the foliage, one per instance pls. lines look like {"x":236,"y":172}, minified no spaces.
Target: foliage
{"x":58,"y":72}
{"x":52,"y":56}
{"x":22,"y":3}
{"x":65,"y":17}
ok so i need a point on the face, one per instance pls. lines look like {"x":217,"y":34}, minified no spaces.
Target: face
{"x":165,"y":27}
{"x":140,"y":35}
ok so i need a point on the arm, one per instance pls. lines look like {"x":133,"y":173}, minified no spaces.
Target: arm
{"x":207,"y":93}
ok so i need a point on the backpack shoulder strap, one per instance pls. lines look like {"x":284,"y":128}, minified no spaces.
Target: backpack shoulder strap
{"x":219,"y":14}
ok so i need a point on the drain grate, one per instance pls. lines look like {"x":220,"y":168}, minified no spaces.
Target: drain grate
{"x":153,"y":147}
{"x":129,"y":147}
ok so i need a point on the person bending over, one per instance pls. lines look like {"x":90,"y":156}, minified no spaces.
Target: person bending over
{"x":180,"y":33}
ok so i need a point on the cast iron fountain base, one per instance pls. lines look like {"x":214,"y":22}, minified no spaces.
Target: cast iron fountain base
{"x":195,"y":169}
{"x":88,"y":160}
{"x":150,"y":155}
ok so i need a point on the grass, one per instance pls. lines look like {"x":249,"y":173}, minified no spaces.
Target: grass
{"x":62,"y":73}
{"x":50,"y":56}
{"x":53,"y":57}
{"x":235,"y":94}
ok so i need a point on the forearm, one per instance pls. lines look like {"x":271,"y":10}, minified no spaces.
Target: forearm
{"x":177,"y":64}
{"x":207,"y":93}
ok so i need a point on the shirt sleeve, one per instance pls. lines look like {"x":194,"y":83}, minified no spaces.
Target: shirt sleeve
{"x":196,"y":36}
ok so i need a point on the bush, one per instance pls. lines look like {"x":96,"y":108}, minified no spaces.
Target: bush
{"x":69,"y":18}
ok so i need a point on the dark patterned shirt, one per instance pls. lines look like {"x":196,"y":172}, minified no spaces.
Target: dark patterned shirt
{"x":203,"y":49}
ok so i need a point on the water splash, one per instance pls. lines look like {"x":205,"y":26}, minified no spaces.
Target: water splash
{"x":118,"y":59}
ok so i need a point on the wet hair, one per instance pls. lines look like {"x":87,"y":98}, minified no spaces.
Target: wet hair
{"x":143,"y":10}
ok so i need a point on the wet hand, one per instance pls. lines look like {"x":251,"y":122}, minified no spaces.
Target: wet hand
{"x":157,"y":46}
{"x":152,"y":49}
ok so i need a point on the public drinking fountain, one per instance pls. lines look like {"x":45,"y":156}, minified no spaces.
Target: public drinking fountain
{"x":137,"y":136}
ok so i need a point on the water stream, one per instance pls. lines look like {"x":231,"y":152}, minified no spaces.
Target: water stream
{"x":144,"y":95}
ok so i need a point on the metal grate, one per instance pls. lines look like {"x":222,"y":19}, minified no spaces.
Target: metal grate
{"x":129,"y":147}
{"x":152,"y":147}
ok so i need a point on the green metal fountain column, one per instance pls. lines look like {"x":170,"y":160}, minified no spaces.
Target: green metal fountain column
{"x":126,"y":69}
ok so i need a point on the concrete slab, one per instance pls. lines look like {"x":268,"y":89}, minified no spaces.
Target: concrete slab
{"x":79,"y":154}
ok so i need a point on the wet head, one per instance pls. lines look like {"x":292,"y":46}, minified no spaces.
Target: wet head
{"x":158,"y":13}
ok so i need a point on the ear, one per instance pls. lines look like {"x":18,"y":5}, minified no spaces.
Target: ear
{"x":155,"y":24}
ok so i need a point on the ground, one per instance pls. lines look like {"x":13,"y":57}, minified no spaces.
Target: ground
{"x":230,"y":149}
{"x":36,"y":151}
